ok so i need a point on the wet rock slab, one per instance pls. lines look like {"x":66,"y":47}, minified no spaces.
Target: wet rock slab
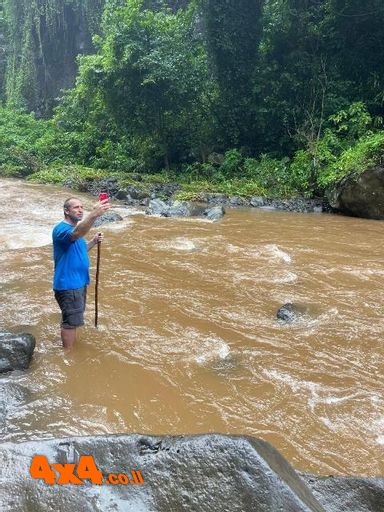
{"x":15,"y":351}
{"x":194,"y":473}
{"x":350,"y":494}
{"x":180,"y":474}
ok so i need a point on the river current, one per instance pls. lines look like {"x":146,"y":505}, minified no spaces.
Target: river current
{"x":188,"y":340}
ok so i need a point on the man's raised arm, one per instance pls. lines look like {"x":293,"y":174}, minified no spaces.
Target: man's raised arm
{"x":85,"y":225}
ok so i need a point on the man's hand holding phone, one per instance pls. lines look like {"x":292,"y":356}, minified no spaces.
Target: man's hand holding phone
{"x":103,"y":196}
{"x":102,"y":205}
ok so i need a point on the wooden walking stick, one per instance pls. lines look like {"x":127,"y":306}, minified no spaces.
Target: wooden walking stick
{"x":97,"y":283}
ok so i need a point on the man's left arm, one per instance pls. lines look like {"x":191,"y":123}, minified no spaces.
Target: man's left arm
{"x":99,"y":237}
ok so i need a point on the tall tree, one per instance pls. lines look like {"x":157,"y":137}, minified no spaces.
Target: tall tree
{"x":357,"y":44}
{"x":150,"y":76}
{"x":233,"y":31}
{"x":3,"y":47}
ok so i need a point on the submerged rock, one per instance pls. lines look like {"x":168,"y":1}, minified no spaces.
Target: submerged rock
{"x":15,"y":351}
{"x":13,"y":397}
{"x":290,"y":312}
{"x":107,"y":218}
{"x":183,"y":209}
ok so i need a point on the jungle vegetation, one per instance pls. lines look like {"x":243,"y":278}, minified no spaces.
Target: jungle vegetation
{"x":273,"y":97}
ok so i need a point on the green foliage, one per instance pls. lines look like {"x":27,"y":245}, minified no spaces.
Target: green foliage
{"x":19,"y":133}
{"x":321,"y":163}
{"x":139,"y":102}
{"x":367,"y":152}
{"x":242,"y":97}
{"x":75,"y":176}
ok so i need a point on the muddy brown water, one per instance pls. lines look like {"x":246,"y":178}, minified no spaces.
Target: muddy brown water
{"x":188,"y":340}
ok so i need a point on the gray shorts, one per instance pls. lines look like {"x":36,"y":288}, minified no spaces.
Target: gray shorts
{"x":72,"y":305}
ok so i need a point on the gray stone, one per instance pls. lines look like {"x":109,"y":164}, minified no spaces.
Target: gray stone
{"x":215,"y":213}
{"x":360,"y":195}
{"x":290,"y":312}
{"x":122,"y":194}
{"x":16,"y":351}
{"x":256,"y":201}
{"x":107,"y":218}
{"x":350,"y":494}
{"x":237,"y":201}
{"x":180,"y":209}
{"x":189,"y":474}
{"x":157,"y":207}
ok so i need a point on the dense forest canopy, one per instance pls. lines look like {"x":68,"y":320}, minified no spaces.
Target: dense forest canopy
{"x":285,"y":93}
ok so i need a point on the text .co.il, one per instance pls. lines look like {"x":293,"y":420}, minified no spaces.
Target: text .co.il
{"x":76,"y":474}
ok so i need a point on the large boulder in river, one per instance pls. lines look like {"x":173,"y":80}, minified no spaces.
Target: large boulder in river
{"x":190,"y":474}
{"x":181,"y":209}
{"x":360,"y":195}
{"x":157,"y":207}
{"x":15,"y":351}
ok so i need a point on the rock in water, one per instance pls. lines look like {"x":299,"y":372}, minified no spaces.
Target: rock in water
{"x":107,"y":218}
{"x":15,"y":351}
{"x":157,"y":207}
{"x":290,"y":312}
{"x":215,"y":213}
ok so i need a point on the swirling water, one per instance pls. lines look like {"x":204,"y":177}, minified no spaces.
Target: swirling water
{"x":188,"y":340}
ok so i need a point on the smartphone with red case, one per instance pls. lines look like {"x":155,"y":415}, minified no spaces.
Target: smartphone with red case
{"x":103,"y":196}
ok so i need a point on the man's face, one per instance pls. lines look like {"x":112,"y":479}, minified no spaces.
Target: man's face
{"x":75,"y":210}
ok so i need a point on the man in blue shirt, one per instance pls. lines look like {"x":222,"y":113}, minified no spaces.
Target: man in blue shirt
{"x":70,"y":254}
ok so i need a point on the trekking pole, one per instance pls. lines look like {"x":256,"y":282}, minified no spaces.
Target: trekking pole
{"x":97,"y":283}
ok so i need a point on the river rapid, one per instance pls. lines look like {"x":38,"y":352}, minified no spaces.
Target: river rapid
{"x":188,"y":340}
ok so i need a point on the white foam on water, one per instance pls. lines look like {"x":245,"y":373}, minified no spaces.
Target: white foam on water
{"x":278,"y":253}
{"x":179,"y":244}
{"x":211,"y":349}
{"x":285,"y":277}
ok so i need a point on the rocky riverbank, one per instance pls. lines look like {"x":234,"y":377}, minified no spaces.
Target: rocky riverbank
{"x":141,"y":195}
{"x":357,"y":195}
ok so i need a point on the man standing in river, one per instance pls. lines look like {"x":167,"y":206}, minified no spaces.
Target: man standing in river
{"x":71,"y":262}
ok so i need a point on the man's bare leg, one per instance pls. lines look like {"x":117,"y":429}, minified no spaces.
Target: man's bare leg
{"x":68,"y":337}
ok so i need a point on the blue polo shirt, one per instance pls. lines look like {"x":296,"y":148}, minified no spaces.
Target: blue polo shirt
{"x":70,"y":259}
